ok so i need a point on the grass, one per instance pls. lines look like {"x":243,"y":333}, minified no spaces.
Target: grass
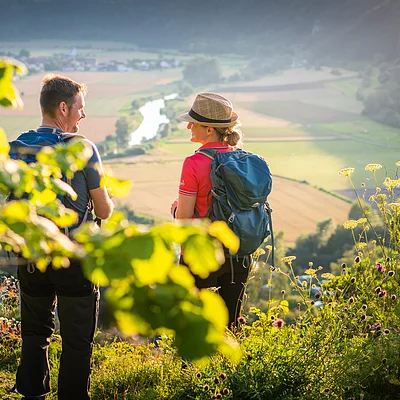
{"x":319,"y":162}
{"x":316,"y":162}
{"x":348,"y":88}
{"x":298,"y":111}
{"x":364,"y":129}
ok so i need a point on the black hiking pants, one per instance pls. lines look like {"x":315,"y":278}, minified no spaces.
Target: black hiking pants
{"x":77,"y":302}
{"x":231,"y":280}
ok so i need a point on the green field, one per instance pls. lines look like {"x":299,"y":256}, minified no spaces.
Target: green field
{"x":317,"y":162}
{"x":363,"y":129}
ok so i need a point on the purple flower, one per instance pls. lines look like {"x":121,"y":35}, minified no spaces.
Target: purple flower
{"x":383,"y":293}
{"x":376,"y":326}
{"x":241,"y":320}
{"x":380,"y":267}
{"x":278,"y":323}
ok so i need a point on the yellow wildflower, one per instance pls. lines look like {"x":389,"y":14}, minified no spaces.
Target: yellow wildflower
{"x":373,"y":167}
{"x":395,"y":207}
{"x":398,"y":163}
{"x":258,"y":252}
{"x":381,"y":196}
{"x":310,"y":272}
{"x":391,"y":183}
{"x":328,"y":276}
{"x":350,"y":224}
{"x":361,"y":245}
{"x":288,"y":259}
{"x":362,"y":221}
{"x":346,"y":171}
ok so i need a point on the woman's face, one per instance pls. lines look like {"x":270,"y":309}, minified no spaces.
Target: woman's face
{"x":199,"y":133}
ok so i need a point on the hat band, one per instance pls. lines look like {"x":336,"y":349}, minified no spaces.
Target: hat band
{"x":200,"y":118}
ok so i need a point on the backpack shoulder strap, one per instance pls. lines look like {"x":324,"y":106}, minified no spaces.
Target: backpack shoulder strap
{"x":69,"y":136}
{"x":208,"y":152}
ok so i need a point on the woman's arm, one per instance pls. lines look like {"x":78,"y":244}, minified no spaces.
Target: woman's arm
{"x":186,"y":206}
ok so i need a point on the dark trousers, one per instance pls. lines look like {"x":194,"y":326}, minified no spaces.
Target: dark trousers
{"x":77,"y":302}
{"x":231,"y":285}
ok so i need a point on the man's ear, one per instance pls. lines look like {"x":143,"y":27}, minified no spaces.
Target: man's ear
{"x":210,"y":130}
{"x":63,"y":108}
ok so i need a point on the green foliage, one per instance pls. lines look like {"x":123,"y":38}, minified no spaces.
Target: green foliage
{"x":123,"y":130}
{"x":9,"y":96}
{"x":383,"y":105}
{"x":342,"y":344}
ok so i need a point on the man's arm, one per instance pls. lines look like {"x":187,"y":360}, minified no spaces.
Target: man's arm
{"x":102,"y":203}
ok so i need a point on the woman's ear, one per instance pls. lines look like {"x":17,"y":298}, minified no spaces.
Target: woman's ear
{"x":210,"y":130}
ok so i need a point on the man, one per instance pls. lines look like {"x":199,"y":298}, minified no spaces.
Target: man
{"x":62,"y":103}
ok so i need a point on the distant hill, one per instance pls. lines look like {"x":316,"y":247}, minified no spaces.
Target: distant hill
{"x":349,"y":29}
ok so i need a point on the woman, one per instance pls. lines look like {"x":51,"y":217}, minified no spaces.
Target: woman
{"x":215,"y":125}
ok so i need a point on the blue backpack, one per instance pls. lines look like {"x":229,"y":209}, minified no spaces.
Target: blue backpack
{"x":241,"y":182}
{"x":30,"y":143}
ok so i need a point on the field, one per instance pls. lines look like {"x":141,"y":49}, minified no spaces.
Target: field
{"x":297,"y":207}
{"x":306,"y":123}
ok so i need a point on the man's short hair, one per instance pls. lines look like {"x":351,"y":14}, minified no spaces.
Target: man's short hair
{"x":57,"y":89}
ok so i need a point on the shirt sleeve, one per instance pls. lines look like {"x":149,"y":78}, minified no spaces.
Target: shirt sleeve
{"x":189,"y":184}
{"x":94,"y":168}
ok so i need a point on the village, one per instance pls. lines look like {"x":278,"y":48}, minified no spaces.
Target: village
{"x":73,"y":61}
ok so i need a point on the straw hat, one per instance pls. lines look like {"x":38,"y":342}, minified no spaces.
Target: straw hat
{"x":211,"y":109}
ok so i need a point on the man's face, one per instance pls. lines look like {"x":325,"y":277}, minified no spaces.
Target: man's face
{"x":75,"y":114}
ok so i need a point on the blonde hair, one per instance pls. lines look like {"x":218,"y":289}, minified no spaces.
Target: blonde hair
{"x":231,"y":135}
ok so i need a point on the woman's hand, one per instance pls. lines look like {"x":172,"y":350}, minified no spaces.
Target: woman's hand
{"x":174,"y":207}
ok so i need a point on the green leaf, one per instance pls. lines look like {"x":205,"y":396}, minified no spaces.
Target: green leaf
{"x":42,"y":198}
{"x":16,"y":210}
{"x":118,"y":187}
{"x":9,"y":96}
{"x":202,"y":255}
{"x":59,"y":214}
{"x":284,"y":306}
{"x":180,"y":275}
{"x":155,"y":268}
{"x":221,"y":231}
{"x":4,"y":146}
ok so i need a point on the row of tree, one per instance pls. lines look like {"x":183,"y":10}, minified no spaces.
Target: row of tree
{"x":383,"y":105}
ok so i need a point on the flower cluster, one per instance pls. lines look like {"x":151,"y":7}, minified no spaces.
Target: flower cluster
{"x":373,"y":167}
{"x":346,"y":171}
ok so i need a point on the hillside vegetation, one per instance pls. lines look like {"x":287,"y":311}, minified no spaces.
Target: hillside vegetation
{"x":351,"y":29}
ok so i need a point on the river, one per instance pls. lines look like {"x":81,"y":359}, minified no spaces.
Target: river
{"x":152,"y":119}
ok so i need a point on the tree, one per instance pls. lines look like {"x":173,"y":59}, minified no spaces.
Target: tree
{"x":24,"y":53}
{"x":202,"y":71}
{"x":123,"y":129}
